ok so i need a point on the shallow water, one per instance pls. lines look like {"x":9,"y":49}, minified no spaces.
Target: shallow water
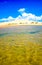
{"x":21,"y":30}
{"x":21,"y":45}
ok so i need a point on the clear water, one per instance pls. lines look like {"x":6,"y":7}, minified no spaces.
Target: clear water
{"x":21,"y":30}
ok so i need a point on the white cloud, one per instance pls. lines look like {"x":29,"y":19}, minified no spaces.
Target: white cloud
{"x":34,"y":17}
{"x":21,"y":10}
{"x":10,"y":18}
{"x":24,"y":16}
{"x":29,"y":16}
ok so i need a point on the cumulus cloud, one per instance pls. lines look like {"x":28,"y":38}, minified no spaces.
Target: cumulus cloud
{"x":21,"y":10}
{"x":10,"y":18}
{"x":29,"y":16}
{"x":24,"y":16}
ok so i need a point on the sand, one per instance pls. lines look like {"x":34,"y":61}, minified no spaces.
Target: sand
{"x":20,"y":49}
{"x":7,"y":24}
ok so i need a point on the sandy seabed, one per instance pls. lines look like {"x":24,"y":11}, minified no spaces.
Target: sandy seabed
{"x":20,"y":49}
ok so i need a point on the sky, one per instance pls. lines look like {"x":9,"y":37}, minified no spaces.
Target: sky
{"x":20,"y":9}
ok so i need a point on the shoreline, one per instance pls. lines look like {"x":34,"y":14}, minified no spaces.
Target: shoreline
{"x":7,"y":24}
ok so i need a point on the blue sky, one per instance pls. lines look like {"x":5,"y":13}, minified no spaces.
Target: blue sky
{"x":11,"y":7}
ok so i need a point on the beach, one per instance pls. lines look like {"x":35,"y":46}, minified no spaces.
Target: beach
{"x":8,"y":24}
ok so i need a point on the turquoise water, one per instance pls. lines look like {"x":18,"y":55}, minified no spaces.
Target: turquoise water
{"x":3,"y":34}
